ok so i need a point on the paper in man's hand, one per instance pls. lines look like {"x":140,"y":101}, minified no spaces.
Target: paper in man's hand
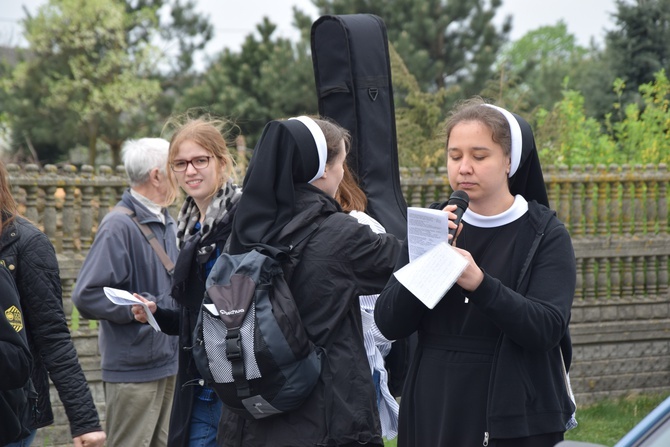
{"x":433,"y":273}
{"x":125,"y":298}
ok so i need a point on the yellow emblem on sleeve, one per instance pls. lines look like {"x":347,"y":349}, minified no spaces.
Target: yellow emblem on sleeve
{"x":13,"y":315}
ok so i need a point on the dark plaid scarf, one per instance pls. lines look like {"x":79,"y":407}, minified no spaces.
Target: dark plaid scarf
{"x":189,"y":215}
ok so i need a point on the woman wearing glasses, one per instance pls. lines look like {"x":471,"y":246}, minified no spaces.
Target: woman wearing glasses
{"x":203,"y":168}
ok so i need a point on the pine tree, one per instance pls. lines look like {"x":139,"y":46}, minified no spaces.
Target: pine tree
{"x":443,"y":42}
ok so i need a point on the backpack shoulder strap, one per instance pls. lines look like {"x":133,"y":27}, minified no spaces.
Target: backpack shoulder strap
{"x":150,"y":237}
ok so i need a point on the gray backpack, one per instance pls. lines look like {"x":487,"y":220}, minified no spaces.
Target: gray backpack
{"x":250,"y":344}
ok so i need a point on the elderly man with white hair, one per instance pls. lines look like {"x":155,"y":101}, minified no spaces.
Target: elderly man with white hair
{"x":133,"y":251}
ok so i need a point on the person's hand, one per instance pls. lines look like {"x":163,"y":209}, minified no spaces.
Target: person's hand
{"x":472,"y":275}
{"x":452,"y":224}
{"x":138,"y":311}
{"x":92,"y":439}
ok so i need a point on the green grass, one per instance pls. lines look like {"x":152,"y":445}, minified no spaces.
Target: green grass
{"x":607,"y":421}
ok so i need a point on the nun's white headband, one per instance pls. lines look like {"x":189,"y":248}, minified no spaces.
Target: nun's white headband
{"x":319,"y":139}
{"x":517,"y":140}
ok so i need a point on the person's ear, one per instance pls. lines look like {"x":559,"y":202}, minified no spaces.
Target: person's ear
{"x":155,"y":176}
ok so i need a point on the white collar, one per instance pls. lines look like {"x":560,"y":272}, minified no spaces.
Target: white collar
{"x":514,"y":212}
{"x":153,"y":208}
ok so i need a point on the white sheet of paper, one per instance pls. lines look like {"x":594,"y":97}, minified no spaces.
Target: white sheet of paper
{"x":125,"y":298}
{"x":426,"y":228}
{"x":433,"y":273}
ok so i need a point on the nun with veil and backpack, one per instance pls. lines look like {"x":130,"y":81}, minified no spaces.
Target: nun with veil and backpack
{"x":290,"y":184}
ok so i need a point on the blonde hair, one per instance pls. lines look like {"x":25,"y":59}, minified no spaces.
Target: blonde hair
{"x":207,"y":132}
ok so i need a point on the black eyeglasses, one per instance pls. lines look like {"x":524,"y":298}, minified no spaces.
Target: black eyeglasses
{"x":198,"y":163}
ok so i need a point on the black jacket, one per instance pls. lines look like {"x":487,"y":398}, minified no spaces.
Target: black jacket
{"x":15,"y":363}
{"x":188,"y":289}
{"x":527,"y":394}
{"x":30,"y":257}
{"x":342,"y":260}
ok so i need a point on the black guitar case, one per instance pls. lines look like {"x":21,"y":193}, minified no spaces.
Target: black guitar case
{"x":353,"y":83}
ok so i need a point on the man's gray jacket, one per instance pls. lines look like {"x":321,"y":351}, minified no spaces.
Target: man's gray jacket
{"x":121,"y":257}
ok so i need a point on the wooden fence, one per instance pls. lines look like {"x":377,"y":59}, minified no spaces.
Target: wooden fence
{"x":617,"y":217}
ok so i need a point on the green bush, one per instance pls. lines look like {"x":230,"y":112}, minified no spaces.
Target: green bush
{"x":637,"y":134}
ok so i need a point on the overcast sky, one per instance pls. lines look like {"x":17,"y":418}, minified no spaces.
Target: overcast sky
{"x":233,"y":20}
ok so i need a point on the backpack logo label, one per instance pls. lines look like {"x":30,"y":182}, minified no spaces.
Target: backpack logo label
{"x":13,"y":315}
{"x":231,"y":312}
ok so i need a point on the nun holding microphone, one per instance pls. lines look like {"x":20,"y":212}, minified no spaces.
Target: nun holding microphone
{"x":493,"y":354}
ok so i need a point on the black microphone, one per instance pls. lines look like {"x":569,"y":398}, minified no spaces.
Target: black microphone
{"x":461,"y":200}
